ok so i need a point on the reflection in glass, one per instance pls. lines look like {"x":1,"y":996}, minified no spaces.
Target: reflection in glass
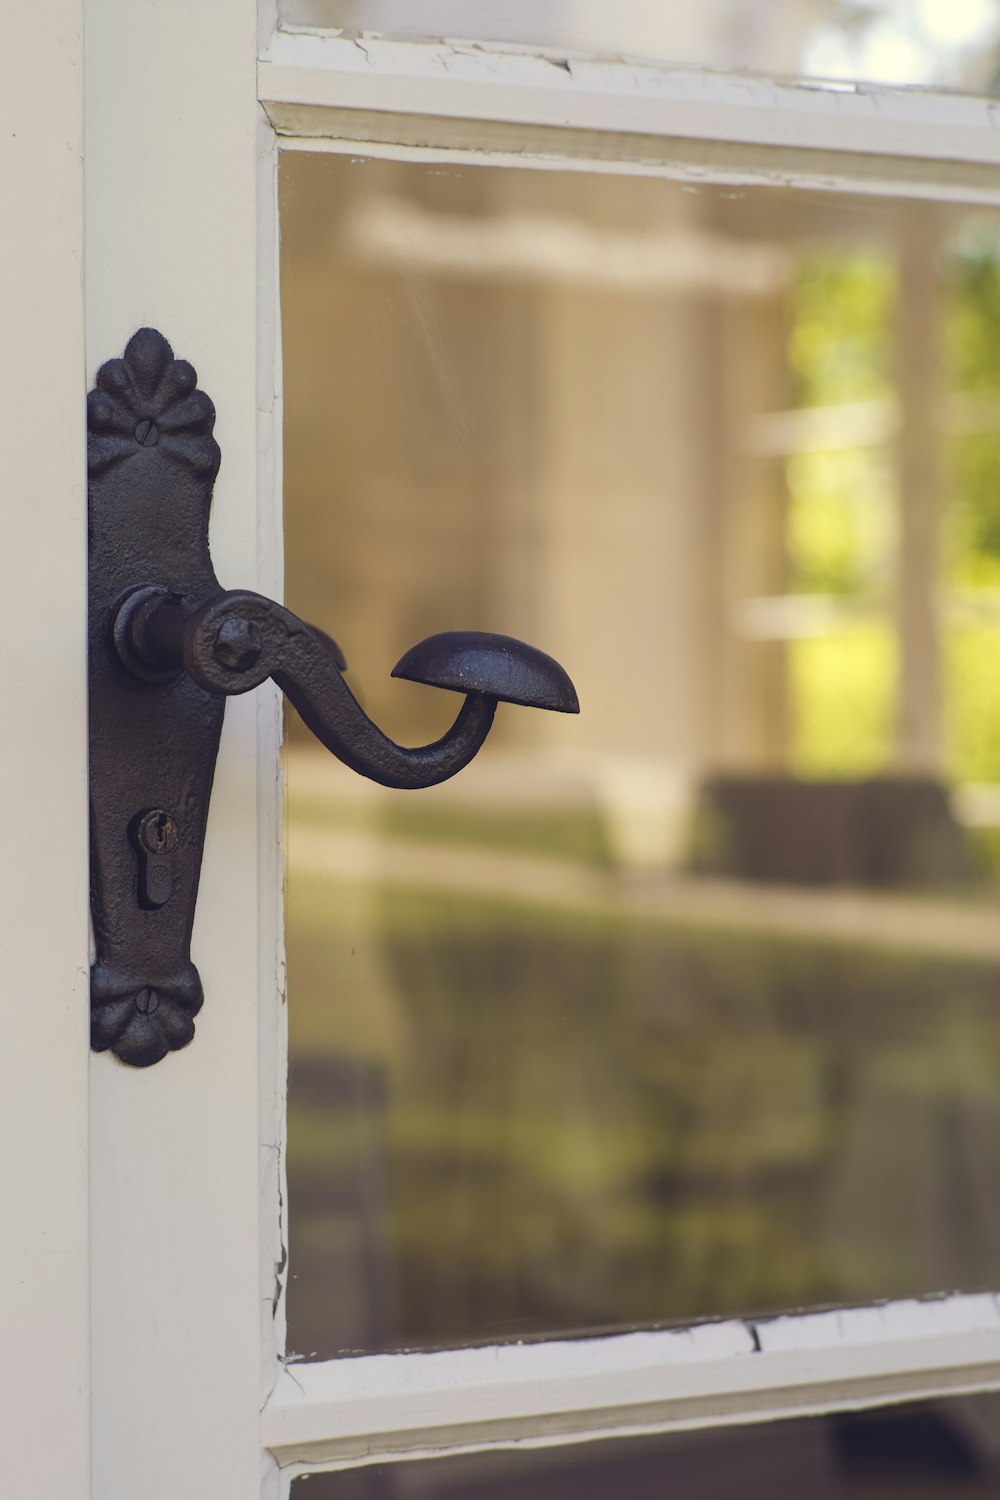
{"x":945,"y":1450}
{"x":946,"y":43}
{"x":690,"y":1006}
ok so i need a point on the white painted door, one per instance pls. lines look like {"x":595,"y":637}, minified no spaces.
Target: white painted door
{"x":45,"y":1261}
{"x":147,"y":1318}
{"x":179,"y":236}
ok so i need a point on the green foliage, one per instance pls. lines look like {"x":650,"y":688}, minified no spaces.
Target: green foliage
{"x":972,"y":721}
{"x":840,"y":307}
{"x":840,"y":519}
{"x":840,"y":523}
{"x":973,"y":344}
{"x":843,"y":689}
{"x":973,"y":530}
{"x":973,"y":327}
{"x":972,"y":689}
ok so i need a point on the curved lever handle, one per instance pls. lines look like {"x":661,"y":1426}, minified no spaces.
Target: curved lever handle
{"x":161,"y":665}
{"x":237,"y":639}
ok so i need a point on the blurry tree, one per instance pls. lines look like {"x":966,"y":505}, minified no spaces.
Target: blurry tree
{"x":843,"y":506}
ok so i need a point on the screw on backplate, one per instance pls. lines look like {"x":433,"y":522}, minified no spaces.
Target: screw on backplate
{"x":147,"y":1001}
{"x":146,"y":434}
{"x":237,"y":644}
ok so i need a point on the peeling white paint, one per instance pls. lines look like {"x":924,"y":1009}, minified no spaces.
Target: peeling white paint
{"x":480,"y":104}
{"x":384,"y":1408}
{"x":480,"y":82}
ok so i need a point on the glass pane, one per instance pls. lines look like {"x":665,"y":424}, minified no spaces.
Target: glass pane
{"x":947,"y":1450}
{"x":689,"y":1006}
{"x":946,"y":43}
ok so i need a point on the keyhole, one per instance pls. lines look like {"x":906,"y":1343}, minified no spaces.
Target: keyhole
{"x":157,"y":832}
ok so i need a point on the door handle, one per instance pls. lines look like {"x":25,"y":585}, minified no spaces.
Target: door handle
{"x":236,"y":640}
{"x":167,"y":646}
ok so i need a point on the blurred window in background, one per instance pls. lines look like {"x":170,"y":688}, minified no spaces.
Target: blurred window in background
{"x":689,"y":1007}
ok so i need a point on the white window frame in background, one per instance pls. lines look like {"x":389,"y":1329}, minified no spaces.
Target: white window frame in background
{"x":187,"y":106}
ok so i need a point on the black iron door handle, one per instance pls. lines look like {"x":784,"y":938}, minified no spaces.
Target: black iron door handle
{"x":168,"y":645}
{"x":237,"y":639}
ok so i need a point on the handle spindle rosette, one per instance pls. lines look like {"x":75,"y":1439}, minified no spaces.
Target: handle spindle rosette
{"x":168,"y":645}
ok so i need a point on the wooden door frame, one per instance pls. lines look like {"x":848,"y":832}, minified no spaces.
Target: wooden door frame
{"x":481,"y":105}
{"x":179,"y":235}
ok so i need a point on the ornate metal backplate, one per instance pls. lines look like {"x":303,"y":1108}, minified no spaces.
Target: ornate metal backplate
{"x":152,"y":462}
{"x":168,"y":645}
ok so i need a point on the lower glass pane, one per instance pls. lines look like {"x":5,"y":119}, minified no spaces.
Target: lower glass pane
{"x":946,"y":1450}
{"x":690,"y":1006}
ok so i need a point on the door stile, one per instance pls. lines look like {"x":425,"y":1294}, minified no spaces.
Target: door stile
{"x":270,"y":581}
{"x":172,"y":240}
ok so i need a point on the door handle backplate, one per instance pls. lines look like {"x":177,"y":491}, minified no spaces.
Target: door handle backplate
{"x":167,"y":646}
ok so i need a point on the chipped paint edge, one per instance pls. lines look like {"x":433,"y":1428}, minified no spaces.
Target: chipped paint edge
{"x":547,"y":110}
{"x":388,"y":1408}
